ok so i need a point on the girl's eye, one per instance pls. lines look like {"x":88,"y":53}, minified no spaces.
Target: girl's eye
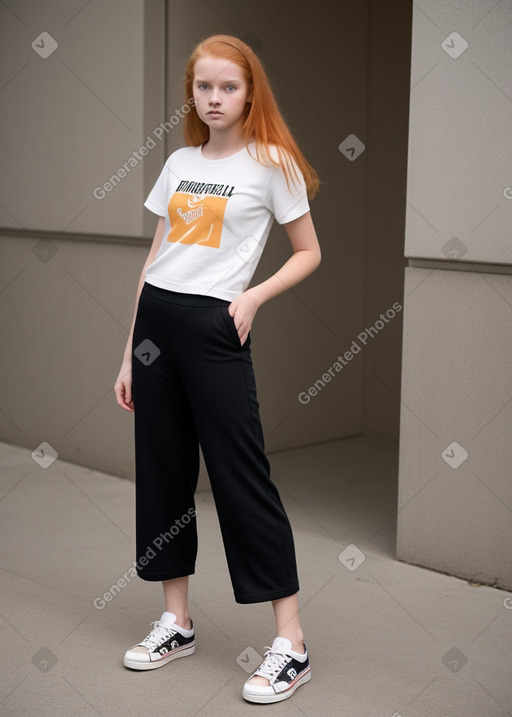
{"x":204,"y":85}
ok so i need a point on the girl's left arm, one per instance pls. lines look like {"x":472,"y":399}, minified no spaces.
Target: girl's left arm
{"x":303,"y":262}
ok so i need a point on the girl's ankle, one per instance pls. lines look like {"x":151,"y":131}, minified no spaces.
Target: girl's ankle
{"x":182,"y":620}
{"x":297,"y":642}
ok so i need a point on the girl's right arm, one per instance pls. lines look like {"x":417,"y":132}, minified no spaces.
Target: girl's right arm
{"x":123,"y":385}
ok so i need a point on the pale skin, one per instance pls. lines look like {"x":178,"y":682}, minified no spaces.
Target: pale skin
{"x":220,"y":86}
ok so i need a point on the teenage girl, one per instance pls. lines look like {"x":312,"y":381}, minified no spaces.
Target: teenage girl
{"x":187,"y":371}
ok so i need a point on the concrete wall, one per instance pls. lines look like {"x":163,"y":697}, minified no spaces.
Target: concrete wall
{"x":70,"y":120}
{"x":389,"y":48}
{"x":455,"y":493}
{"x":71,"y":261}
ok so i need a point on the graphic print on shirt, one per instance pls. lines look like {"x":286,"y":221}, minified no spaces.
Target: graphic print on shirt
{"x":196,"y":213}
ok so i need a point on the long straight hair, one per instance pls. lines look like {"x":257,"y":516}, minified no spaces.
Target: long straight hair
{"x":262,"y":120}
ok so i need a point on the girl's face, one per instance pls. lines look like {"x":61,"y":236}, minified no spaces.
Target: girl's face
{"x":220,"y":92}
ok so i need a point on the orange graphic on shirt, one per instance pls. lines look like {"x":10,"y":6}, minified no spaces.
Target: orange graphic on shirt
{"x":196,"y":219}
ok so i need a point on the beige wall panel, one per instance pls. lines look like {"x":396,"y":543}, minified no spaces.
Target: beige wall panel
{"x":454,"y":511}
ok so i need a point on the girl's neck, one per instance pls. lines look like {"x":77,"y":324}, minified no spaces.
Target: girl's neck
{"x":223,"y":144}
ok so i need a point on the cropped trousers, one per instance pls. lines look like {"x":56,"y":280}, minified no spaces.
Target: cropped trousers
{"x":193,"y":385}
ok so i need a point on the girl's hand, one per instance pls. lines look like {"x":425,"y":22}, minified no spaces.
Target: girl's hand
{"x":243,"y":310}
{"x":123,"y":387}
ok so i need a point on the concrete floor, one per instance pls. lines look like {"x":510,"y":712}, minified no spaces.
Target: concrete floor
{"x":385,"y":639}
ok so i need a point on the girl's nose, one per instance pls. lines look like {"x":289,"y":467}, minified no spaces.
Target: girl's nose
{"x":214,"y":96}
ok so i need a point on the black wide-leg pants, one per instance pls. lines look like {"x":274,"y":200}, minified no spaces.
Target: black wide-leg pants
{"x":193,"y":384}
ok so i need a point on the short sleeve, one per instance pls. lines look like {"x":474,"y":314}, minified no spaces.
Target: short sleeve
{"x":286,"y":203}
{"x":158,"y":198}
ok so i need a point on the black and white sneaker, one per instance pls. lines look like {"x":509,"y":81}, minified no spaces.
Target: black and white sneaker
{"x":165,"y":642}
{"x":284,"y":669}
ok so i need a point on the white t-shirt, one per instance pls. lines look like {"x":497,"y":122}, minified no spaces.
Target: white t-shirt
{"x":218,"y":214}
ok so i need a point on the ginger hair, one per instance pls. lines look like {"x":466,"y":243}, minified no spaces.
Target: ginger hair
{"x":262,"y":119}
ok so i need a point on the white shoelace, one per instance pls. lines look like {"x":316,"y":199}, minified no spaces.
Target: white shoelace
{"x":157,"y":635}
{"x":273,"y":663}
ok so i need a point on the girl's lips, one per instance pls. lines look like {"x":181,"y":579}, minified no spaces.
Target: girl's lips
{"x":214,"y":113}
